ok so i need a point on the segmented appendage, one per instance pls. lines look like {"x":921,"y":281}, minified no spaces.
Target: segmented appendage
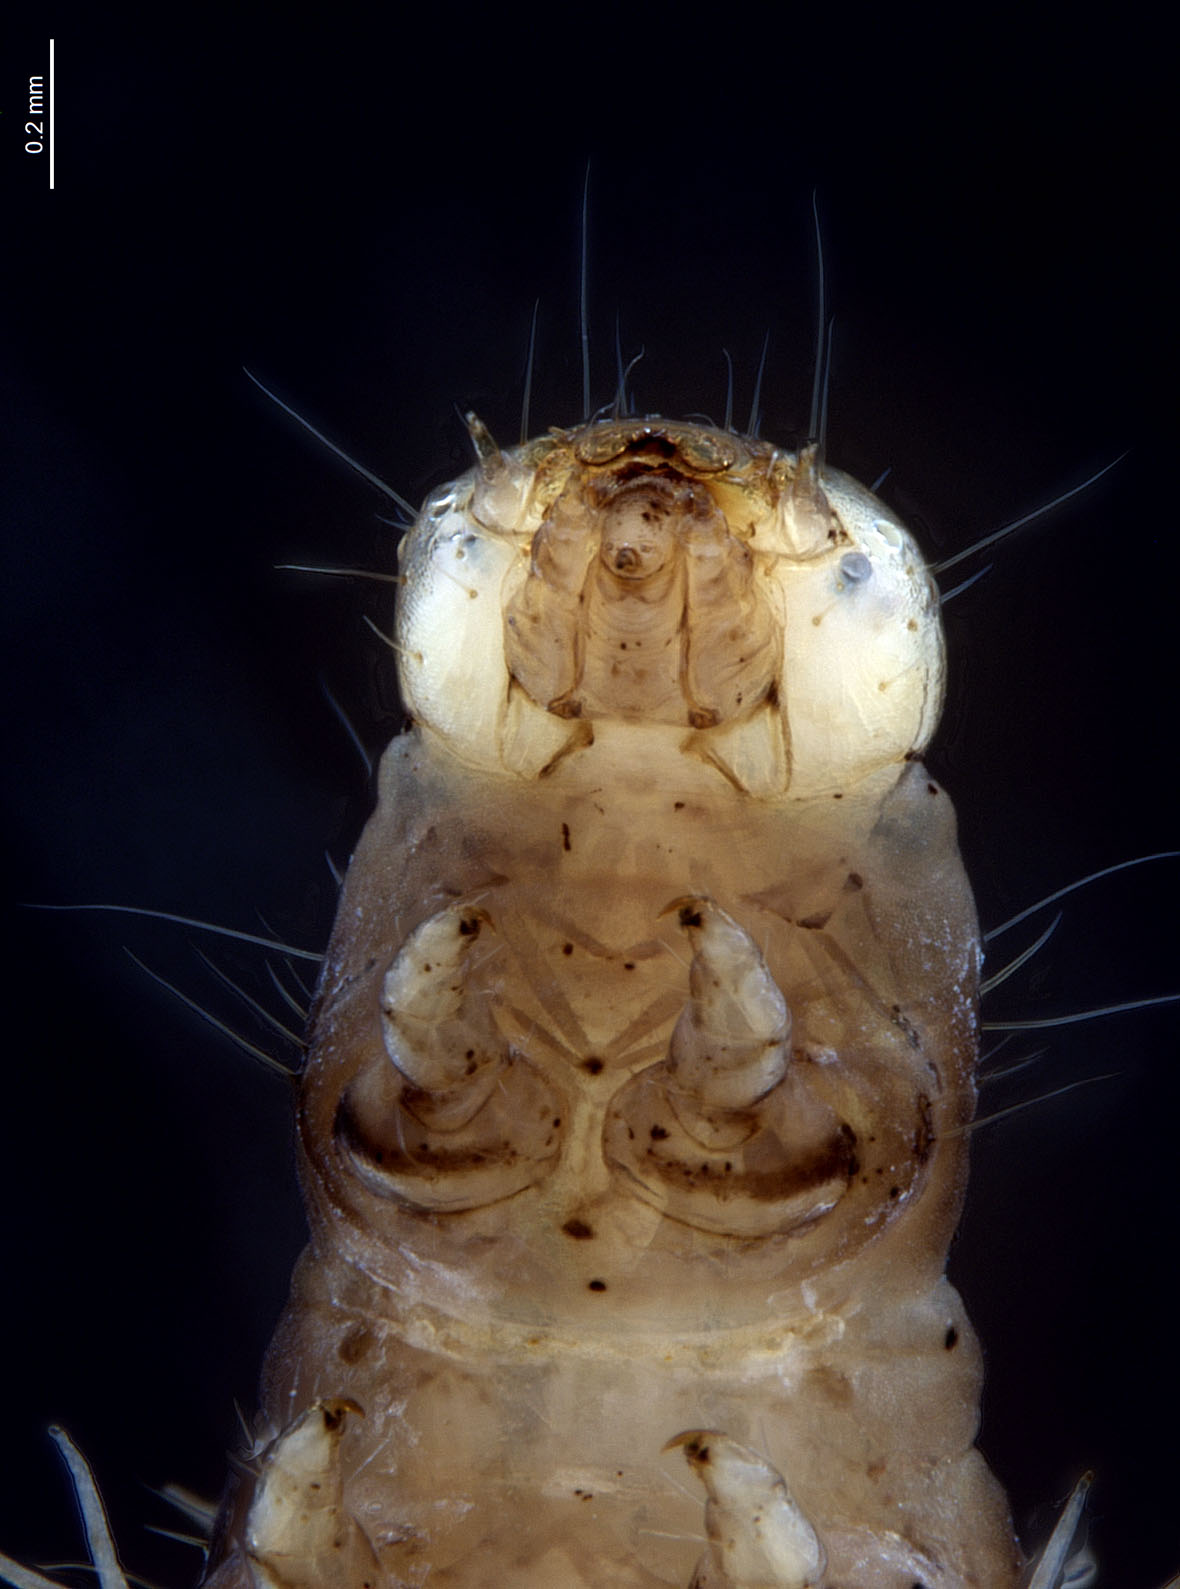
{"x":633,"y":1126}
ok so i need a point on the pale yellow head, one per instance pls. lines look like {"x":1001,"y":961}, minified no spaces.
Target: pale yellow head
{"x":771,"y":612}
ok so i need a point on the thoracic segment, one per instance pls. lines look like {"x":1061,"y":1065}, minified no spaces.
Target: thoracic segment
{"x":632,"y":1130}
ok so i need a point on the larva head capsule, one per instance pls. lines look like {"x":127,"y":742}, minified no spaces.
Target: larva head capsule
{"x":764,"y":613}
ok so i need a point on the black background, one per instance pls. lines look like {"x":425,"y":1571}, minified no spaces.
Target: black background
{"x":365,"y":219}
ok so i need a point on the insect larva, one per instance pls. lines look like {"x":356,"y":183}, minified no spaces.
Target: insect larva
{"x":1017,"y":478}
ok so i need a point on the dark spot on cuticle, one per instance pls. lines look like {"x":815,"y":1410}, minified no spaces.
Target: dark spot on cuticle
{"x":596,"y":1285}
{"x":593,"y":1066}
{"x":351,"y":1348}
{"x":951,"y":1338}
{"x":578,"y":1229}
{"x":924,"y":1133}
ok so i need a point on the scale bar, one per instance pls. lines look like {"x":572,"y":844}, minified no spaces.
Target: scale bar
{"x":52,"y":108}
